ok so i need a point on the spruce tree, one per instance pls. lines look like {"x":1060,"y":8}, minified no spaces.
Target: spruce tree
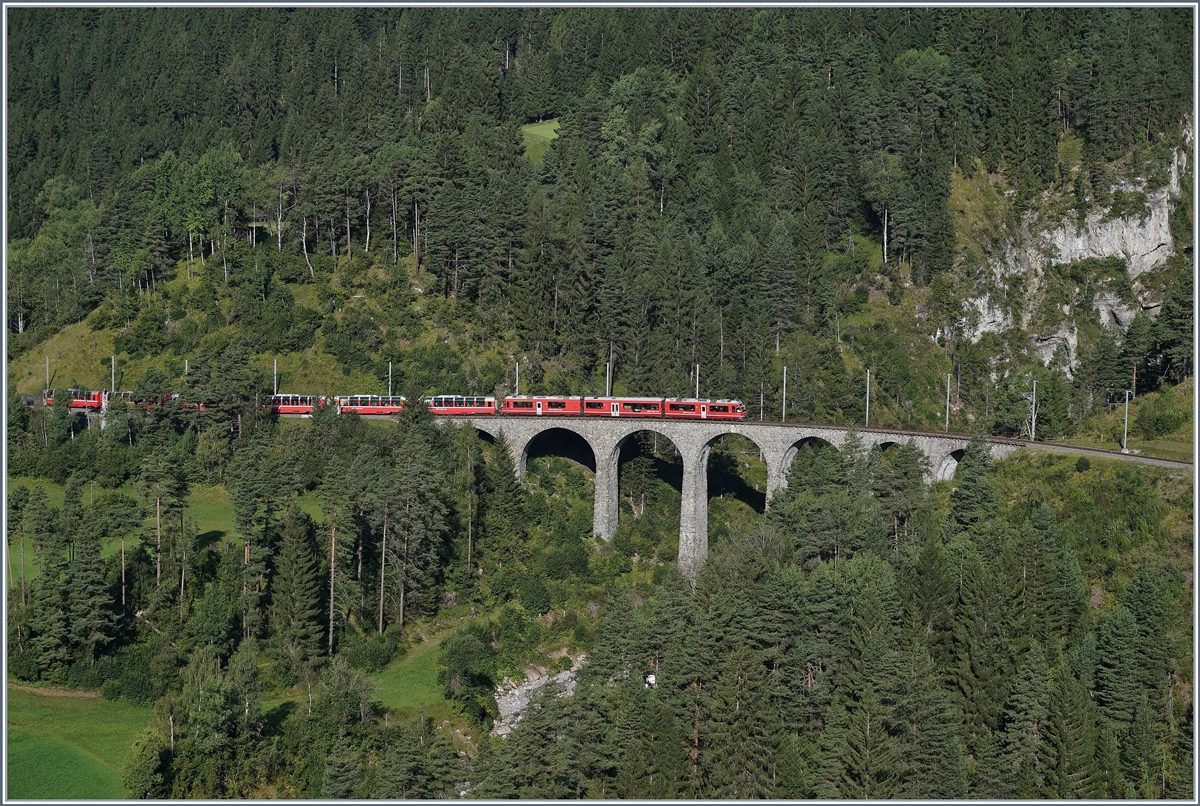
{"x":1026,"y":755}
{"x":93,"y":622}
{"x":402,"y":771}
{"x":973,"y":502}
{"x":868,"y":751}
{"x":1072,"y":735}
{"x":342,"y":771}
{"x":1118,"y":677}
{"x":744,"y":731}
{"x":295,"y":594}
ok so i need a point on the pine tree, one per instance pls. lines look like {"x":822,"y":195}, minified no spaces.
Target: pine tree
{"x":1118,"y":681}
{"x":973,"y":502}
{"x":744,"y":732}
{"x":1072,"y":736}
{"x":1025,"y":757}
{"x":402,"y":772}
{"x":930,"y":762}
{"x":868,"y":751}
{"x":295,"y":599}
{"x":92,"y":620}
{"x":343,"y":771}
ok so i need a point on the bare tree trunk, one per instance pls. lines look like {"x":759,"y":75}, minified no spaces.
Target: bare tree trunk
{"x":382,"y":565}
{"x":395,"y":229}
{"x":332,"y":571}
{"x":182,"y":574}
{"x":367,"y":196}
{"x":404,"y":565}
{"x":304,"y":245}
{"x":417,"y":238}
{"x":245,"y":592}
{"x":122,"y":576}
{"x":349,"y":249}
{"x":158,"y":552}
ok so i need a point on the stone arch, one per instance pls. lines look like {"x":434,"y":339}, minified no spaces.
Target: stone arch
{"x":558,"y":441}
{"x":947,"y":466}
{"x":789,"y":454}
{"x":624,"y":440}
{"x":743,"y":492}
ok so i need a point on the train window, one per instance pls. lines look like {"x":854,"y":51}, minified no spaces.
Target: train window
{"x":718,"y":408}
{"x":522,"y":404}
{"x":681,"y":407}
{"x":591,"y":404}
{"x":556,"y":404}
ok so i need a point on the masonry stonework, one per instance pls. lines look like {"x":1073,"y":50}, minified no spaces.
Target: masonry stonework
{"x":778,"y":443}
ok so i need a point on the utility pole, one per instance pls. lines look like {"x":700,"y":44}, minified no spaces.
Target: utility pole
{"x":785,"y":394}
{"x":275,"y":377}
{"x":518,"y":389}
{"x":697,"y":381}
{"x":607,"y":378}
{"x":47,"y":373}
{"x":113,"y":382}
{"x":868,"y":422}
{"x":1125,"y":436}
{"x":947,"y":402}
{"x":389,"y":379}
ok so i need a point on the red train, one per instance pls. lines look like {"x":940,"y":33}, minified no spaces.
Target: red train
{"x":450,"y":405}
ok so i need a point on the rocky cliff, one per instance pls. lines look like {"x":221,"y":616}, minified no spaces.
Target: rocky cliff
{"x":1141,"y":239}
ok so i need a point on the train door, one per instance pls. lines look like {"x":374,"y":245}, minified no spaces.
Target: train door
{"x":703,"y":412}
{"x":616,"y":409}
{"x":539,"y":408}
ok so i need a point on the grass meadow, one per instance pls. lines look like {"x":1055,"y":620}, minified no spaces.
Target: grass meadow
{"x":536,"y":138}
{"x":69,"y":747}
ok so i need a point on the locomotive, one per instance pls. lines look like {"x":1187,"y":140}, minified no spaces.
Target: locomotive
{"x":447,"y":405}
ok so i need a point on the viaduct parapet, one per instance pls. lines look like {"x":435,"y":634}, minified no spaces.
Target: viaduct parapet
{"x":778,"y":443}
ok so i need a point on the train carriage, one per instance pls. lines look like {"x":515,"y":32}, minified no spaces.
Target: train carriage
{"x":703,"y":409}
{"x":539,"y":405}
{"x":369,"y":404}
{"x":460,"y":405}
{"x":623,"y":407}
{"x":295,"y":405}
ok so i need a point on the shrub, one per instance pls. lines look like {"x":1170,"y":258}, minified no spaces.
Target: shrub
{"x":1082,"y":464}
{"x":23,"y":666}
{"x":373,"y":654}
{"x":534,"y":596}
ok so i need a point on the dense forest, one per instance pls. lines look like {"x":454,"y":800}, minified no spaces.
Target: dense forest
{"x":734,"y":190}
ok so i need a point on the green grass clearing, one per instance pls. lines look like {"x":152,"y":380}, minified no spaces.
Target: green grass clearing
{"x":69,"y":747}
{"x":536,"y":138}
{"x":411,"y":683}
{"x":212,"y":509}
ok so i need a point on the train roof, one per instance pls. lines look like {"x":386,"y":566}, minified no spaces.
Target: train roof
{"x":533,"y":397}
{"x":700,"y":400}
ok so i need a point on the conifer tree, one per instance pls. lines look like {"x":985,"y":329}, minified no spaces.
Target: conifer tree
{"x":92,"y":620}
{"x":1026,"y":755}
{"x":744,"y":731}
{"x":1118,"y":682}
{"x":973,"y":502}
{"x":402,"y":771}
{"x":1072,"y":736}
{"x":929,"y":754}
{"x":867,"y":750}
{"x":343,"y":771}
{"x":295,"y":590}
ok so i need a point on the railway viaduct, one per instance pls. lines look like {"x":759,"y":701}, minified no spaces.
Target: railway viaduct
{"x":778,"y":443}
